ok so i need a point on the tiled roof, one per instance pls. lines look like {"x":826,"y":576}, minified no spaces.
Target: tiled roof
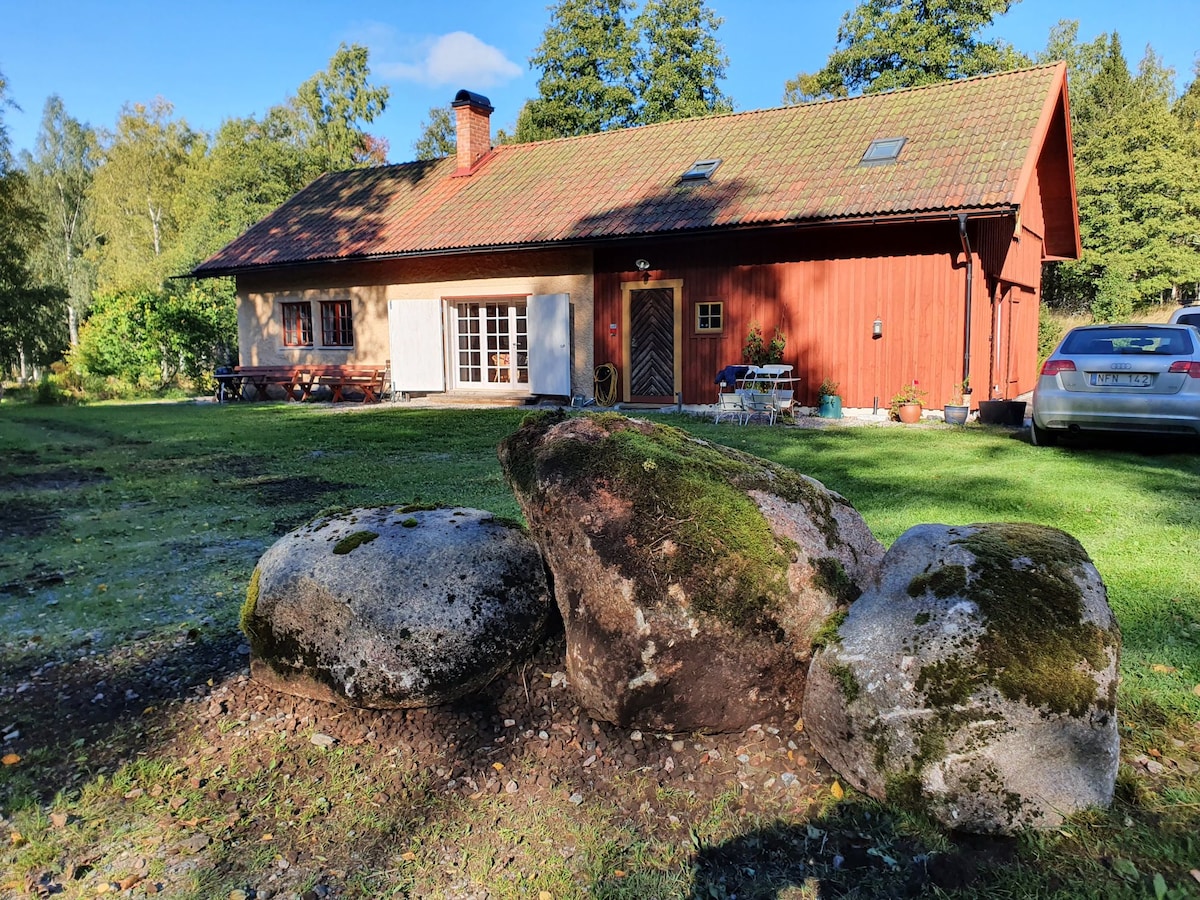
{"x":968,"y":144}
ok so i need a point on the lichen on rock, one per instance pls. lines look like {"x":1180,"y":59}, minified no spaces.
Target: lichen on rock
{"x":987,"y":659}
{"x":691,"y":577}
{"x":366,"y":609}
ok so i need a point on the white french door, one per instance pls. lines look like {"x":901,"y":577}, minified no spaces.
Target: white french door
{"x":491,"y":339}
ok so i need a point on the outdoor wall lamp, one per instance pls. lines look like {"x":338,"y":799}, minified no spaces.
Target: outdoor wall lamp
{"x":642,"y":264}
{"x":877,"y":329}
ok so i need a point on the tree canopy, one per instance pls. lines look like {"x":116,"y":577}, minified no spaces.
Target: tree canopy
{"x":887,"y":44}
{"x":438,"y":136}
{"x":332,"y":107}
{"x":679,"y":63}
{"x":32,"y":317}
{"x":602,"y":69}
{"x":586,"y":60}
{"x":1137,"y":172}
{"x":60,"y":173}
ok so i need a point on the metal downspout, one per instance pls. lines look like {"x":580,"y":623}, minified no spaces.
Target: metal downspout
{"x":966,"y":245}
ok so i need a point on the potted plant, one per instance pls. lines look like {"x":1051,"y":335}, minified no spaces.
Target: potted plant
{"x":757,"y":352}
{"x":907,"y":402}
{"x":830,"y":404}
{"x":959,"y":407}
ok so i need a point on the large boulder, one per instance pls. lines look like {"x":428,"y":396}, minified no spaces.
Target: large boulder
{"x":978,"y":680}
{"x":691,"y":578}
{"x":388,"y":607}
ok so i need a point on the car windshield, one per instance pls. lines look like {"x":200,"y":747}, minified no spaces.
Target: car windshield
{"x":1120,"y":341}
{"x":1189,"y":319}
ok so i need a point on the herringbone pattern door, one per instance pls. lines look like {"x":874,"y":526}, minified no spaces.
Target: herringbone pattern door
{"x":652,"y":344}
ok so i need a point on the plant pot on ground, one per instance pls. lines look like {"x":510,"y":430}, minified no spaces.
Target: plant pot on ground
{"x":829,"y":402}
{"x":959,"y":405}
{"x":1002,"y":412}
{"x":907,"y":403}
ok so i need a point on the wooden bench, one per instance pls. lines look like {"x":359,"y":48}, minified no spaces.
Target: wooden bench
{"x":370,"y":381}
{"x":295,"y":381}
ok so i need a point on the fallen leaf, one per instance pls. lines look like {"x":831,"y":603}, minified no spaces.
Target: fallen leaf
{"x":267,"y":837}
{"x":1164,"y":670}
{"x":1195,"y":873}
{"x":1157,"y":754}
{"x":16,"y":838}
{"x":59,"y":819}
{"x":837,"y":791}
{"x":545,"y":895}
{"x":618,"y":873}
{"x":1126,"y":869}
{"x":10,"y":759}
{"x":127,"y":883}
{"x":1196,"y":690}
{"x":409,"y":856}
{"x":497,"y":766}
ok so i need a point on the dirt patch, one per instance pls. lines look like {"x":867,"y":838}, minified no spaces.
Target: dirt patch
{"x":27,"y":518}
{"x":65,"y":478}
{"x":189,"y":699}
{"x":32,"y":581}
{"x":286,"y":491}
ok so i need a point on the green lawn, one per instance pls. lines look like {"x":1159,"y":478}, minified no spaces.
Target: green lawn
{"x":129,"y":525}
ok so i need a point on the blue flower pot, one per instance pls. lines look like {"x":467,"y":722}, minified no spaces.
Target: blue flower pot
{"x":831,"y":407}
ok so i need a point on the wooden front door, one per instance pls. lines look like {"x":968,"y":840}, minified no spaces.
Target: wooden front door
{"x":652,"y":345}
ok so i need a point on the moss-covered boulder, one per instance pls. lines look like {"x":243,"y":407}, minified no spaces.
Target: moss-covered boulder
{"x":978,"y":680}
{"x":691,"y":578}
{"x":387,"y":607}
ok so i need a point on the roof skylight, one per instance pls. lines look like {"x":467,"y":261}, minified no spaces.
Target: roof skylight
{"x":882,"y":150}
{"x":701,"y":170}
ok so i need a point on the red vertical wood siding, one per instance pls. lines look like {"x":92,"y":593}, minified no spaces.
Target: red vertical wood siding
{"x":824,"y":288}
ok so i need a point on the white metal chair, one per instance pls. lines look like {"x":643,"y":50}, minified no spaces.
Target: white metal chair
{"x":730,"y":406}
{"x":762,"y":404}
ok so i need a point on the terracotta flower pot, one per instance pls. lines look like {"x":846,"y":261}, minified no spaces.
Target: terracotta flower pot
{"x":910,"y":413}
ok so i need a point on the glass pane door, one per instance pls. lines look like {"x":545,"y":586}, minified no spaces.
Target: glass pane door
{"x":492,"y":340}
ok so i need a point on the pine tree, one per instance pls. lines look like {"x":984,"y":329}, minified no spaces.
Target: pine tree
{"x":888,"y":44}
{"x":586,"y":59}
{"x":680,"y":62}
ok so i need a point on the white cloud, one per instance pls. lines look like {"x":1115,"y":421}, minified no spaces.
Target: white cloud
{"x":458,"y":58}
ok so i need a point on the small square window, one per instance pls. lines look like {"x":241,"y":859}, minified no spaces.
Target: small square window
{"x":701,"y":170}
{"x":883,"y":150}
{"x":297,"y":325}
{"x":337,"y":328}
{"x":710,"y":318}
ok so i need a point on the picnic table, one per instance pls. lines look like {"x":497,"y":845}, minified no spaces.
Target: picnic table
{"x":298,"y":382}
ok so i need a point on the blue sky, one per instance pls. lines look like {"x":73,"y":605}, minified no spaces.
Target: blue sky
{"x":218,"y":59}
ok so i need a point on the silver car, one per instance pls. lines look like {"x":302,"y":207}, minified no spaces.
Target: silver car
{"x":1136,"y":378}
{"x":1187,"y":315}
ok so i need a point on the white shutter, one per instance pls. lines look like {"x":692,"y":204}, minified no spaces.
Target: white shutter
{"x":417,"y":346}
{"x":549,"y":318}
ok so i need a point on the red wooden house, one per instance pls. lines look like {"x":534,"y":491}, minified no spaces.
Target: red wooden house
{"x":891,"y":238}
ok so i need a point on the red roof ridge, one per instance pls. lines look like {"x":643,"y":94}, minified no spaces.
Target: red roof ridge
{"x":785,"y":107}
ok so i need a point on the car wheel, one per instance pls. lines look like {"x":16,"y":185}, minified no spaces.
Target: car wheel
{"x":1040,"y":437}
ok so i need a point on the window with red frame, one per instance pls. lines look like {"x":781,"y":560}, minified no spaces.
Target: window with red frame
{"x":297,"y":325}
{"x":337,"y":329}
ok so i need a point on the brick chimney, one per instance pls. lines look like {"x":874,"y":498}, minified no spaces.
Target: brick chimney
{"x":473,"y":126}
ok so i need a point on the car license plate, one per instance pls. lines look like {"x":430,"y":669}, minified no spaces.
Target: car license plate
{"x":1122,"y":379}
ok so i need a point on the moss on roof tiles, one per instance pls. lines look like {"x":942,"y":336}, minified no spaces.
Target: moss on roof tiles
{"x":967,"y":142}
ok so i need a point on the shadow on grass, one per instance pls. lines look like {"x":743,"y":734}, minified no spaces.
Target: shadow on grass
{"x":76,"y":717}
{"x":855,"y":850}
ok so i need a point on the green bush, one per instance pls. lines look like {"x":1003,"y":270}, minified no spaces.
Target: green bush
{"x":1050,"y":332}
